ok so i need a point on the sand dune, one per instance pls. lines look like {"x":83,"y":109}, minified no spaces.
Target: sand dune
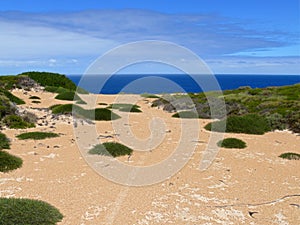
{"x":248,"y":186}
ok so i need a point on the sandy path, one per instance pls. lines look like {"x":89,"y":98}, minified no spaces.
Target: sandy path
{"x":238,"y":182}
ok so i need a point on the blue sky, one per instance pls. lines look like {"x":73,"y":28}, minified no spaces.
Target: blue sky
{"x":249,"y":36}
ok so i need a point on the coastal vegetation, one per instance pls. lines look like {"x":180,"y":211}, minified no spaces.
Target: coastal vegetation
{"x":9,"y":162}
{"x":290,"y":156}
{"x":27,"y":211}
{"x":186,"y":115}
{"x":110,"y":149}
{"x":68,"y":96}
{"x":4,"y":142}
{"x":125,"y":107}
{"x":232,"y":143}
{"x":279,"y":106}
{"x":247,"y":124}
{"x":35,"y":97}
{"x":37,"y":135}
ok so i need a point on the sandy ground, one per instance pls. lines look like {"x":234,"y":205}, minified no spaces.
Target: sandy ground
{"x":238,"y":183}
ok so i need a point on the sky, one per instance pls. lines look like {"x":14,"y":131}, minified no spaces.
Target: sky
{"x":232,"y":37}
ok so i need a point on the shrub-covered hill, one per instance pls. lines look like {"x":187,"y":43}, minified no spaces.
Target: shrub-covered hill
{"x":51,"y":79}
{"x":280,"y":106}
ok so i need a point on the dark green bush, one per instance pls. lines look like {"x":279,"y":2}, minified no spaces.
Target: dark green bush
{"x":37,"y":135}
{"x":111,"y":149}
{"x":248,"y":124}
{"x":15,"y":211}
{"x":9,"y":162}
{"x":101,"y":103}
{"x":34,"y":97}
{"x":36,"y":102}
{"x":290,"y":156}
{"x":186,"y":115}
{"x":16,"y":122}
{"x":4,"y":142}
{"x":129,"y":109}
{"x":232,"y":143}
{"x":69,"y":96}
{"x":103,"y":114}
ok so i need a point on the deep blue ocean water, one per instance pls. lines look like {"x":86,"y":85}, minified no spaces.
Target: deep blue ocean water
{"x":177,"y":83}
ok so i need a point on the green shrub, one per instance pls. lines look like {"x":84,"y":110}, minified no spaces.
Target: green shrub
{"x":81,"y":102}
{"x":248,"y":124}
{"x":15,"y":211}
{"x":51,"y":79}
{"x":11,"y":97}
{"x":146,"y":95}
{"x":9,"y":162}
{"x":232,"y":143}
{"x":37,"y":135}
{"x":97,"y":114}
{"x":62,"y":109}
{"x":101,"y":103}
{"x":34,"y":97}
{"x":51,"y":89}
{"x":4,"y":142}
{"x":111,"y":149}
{"x":16,"y":122}
{"x":125,"y":107}
{"x":36,"y":102}
{"x":186,"y":115}
{"x":290,"y":156}
{"x":69,"y":96}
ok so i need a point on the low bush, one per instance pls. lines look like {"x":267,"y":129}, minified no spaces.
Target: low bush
{"x":36,"y":102}
{"x":290,"y":156}
{"x":17,"y":122}
{"x":97,"y":114}
{"x":27,"y":211}
{"x":125,"y":107}
{"x":4,"y":142}
{"x":146,"y":95}
{"x":186,"y":115}
{"x":111,"y":149}
{"x":248,"y":124}
{"x":101,"y":103}
{"x":9,"y":162}
{"x":68,"y":96}
{"x":37,"y":135}
{"x":232,"y":143}
{"x":34,"y":97}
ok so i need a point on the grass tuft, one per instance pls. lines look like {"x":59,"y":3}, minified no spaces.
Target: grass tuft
{"x":290,"y":156}
{"x":9,"y":162}
{"x":4,"y":142}
{"x":232,"y":143}
{"x":111,"y":149}
{"x":27,"y":211}
{"x":37,"y":135}
{"x":186,"y":115}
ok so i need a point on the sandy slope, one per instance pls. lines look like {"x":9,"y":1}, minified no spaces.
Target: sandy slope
{"x":238,"y":182}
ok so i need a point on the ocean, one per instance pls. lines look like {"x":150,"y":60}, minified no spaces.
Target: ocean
{"x":164,"y":83}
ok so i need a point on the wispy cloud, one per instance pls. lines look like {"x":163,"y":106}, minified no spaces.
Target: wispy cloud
{"x":85,"y":35}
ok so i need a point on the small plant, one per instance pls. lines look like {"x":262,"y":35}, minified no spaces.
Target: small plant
{"x":16,"y":122}
{"x":4,"y":142}
{"x":146,"y":95}
{"x":111,"y":149}
{"x":186,"y":115}
{"x":125,"y":107}
{"x":34,"y":97}
{"x":37,"y":135}
{"x":27,"y":211}
{"x":290,"y":156}
{"x":68,"y":96}
{"x":36,"y":102}
{"x":9,"y":162}
{"x":101,"y":103}
{"x":232,"y":143}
